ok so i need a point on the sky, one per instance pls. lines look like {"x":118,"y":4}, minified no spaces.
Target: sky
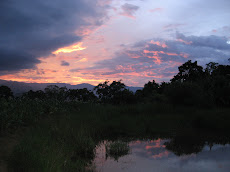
{"x":90,"y":41}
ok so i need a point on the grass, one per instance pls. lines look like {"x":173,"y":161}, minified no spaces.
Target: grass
{"x":54,"y":145}
{"x":15,"y":113}
{"x":64,"y":137}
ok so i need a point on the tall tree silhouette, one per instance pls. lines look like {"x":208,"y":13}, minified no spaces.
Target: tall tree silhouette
{"x":115,"y":93}
{"x":189,"y":71}
{"x":5,"y":92}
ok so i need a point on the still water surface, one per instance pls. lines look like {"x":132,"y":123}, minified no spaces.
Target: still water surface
{"x":150,"y":156}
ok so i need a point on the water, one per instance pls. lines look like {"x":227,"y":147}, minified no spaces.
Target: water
{"x":150,"y":156}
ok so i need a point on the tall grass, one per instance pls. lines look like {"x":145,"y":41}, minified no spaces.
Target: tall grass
{"x":65,"y":134}
{"x":23,"y":112}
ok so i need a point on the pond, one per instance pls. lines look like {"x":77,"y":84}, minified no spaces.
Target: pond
{"x":158,"y":155}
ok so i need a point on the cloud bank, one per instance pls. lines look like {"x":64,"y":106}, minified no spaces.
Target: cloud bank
{"x":33,"y":29}
{"x":159,"y":59}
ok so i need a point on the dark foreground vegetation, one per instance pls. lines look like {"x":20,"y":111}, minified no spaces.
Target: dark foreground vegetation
{"x":64,"y":126}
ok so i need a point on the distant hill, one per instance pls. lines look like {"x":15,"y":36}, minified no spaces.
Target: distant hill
{"x":21,"y":87}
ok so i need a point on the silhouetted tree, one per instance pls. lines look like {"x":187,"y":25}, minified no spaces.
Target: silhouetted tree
{"x":220,"y":85}
{"x":5,"y":92}
{"x":162,"y":87}
{"x":185,"y":145}
{"x":150,"y":87}
{"x":103,"y":91}
{"x":221,"y":90}
{"x":210,"y":67}
{"x":115,"y":93}
{"x":124,"y":96}
{"x":189,"y":72}
{"x":83,"y":95}
{"x":54,"y":92}
{"x":116,"y":87}
{"x":222,"y":70}
{"x":35,"y":95}
{"x":152,"y":92}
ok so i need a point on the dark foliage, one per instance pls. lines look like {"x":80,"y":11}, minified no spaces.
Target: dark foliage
{"x":115,"y":93}
{"x":192,"y":86}
{"x":189,"y":72}
{"x":82,"y":95}
{"x":5,"y":92}
{"x":35,"y":95}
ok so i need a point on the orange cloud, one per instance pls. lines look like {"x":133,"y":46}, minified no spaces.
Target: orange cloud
{"x":161,"y":155}
{"x":157,"y":59}
{"x":158,"y":43}
{"x":155,"y":56}
{"x":84,"y":80}
{"x":172,"y":54}
{"x":72,"y":48}
{"x":133,"y":55}
{"x":156,"y":53}
{"x":128,"y":15}
{"x":26,"y":79}
{"x":83,"y":60}
{"x":181,"y":40}
{"x":125,"y":68}
{"x":185,"y":55}
{"x":63,"y":77}
{"x":157,"y":143}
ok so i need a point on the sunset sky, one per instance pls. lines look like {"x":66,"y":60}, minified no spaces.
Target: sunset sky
{"x":89,"y":41}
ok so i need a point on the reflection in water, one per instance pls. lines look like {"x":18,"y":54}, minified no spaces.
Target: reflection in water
{"x":148,"y":156}
{"x":185,"y":145}
{"x":117,"y":149}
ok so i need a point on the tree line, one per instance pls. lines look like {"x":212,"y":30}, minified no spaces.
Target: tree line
{"x":193,"y":85}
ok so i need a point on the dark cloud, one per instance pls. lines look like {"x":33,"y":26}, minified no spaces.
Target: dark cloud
{"x":212,"y":41}
{"x":64,"y":63}
{"x":129,"y":10}
{"x":31,"y":29}
{"x":15,"y":59}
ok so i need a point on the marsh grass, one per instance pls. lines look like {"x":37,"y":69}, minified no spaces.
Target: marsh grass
{"x":63,"y":135}
{"x":54,"y":145}
{"x":117,"y":149}
{"x":15,"y":113}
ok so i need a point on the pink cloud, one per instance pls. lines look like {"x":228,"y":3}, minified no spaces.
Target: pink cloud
{"x":161,"y":155}
{"x":162,"y":44}
{"x":183,"y":41}
{"x":156,"y":10}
